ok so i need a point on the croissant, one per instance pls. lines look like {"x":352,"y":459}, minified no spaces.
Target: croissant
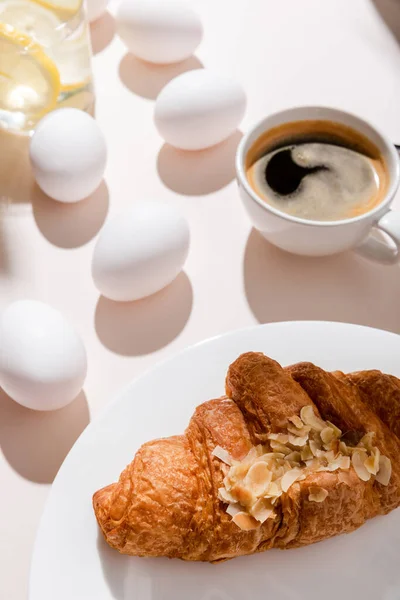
{"x":289,"y":457}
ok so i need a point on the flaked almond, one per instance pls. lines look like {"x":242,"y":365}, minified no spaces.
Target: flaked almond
{"x":367,"y":441}
{"x":357,"y":461}
{"x":282,"y":438}
{"x":224,"y":468}
{"x":278,"y":471}
{"x":262,"y":510}
{"x":297,"y":441}
{"x":313,"y":464}
{"x":303,"y":432}
{"x":228,"y":483}
{"x":239,"y":472}
{"x":243,"y":495}
{"x":234,"y":509}
{"x":372,"y":462}
{"x":278,"y":447}
{"x":287,"y":467}
{"x":344,"y":449}
{"x":309,"y":417}
{"x":329,"y":456}
{"x":327,"y":435}
{"x":353,"y":449}
{"x":336,"y":431}
{"x":263,"y":437}
{"x":339,"y":462}
{"x":294,"y":457}
{"x":245,"y":521}
{"x":274,"y":489}
{"x":290,"y":477}
{"x":268,"y":456}
{"x":317,"y":494}
{"x":297,"y":422}
{"x":377,"y":455}
{"x":315,"y":449}
{"x":258,"y":478}
{"x":222,"y":454}
{"x":385,"y":470}
{"x":306,"y":453}
{"x":252,"y":455}
{"x":344,"y":462}
{"x":225,"y":496}
{"x":333,"y":445}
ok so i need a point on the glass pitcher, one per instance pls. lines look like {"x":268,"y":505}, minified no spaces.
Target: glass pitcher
{"x":45,"y":60}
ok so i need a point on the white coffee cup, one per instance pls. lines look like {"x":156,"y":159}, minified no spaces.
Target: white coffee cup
{"x":322,"y":238}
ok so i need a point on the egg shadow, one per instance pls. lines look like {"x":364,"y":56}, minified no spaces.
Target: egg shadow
{"x":198,"y":173}
{"x":148,"y":79}
{"x":35,"y":443}
{"x":345,"y":287}
{"x":102,"y":32}
{"x":144,"y":326}
{"x":70,"y":225}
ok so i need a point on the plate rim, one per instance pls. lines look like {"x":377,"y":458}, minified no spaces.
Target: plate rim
{"x":164,"y":361}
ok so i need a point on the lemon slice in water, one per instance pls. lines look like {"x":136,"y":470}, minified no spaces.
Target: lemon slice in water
{"x":29,"y":80}
{"x":32,"y":19}
{"x":65,"y":9}
{"x":68,"y":48}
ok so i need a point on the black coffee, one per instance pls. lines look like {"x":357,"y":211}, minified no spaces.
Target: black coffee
{"x":317,"y":170}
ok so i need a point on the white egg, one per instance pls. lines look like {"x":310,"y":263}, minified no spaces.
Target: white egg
{"x":95,"y":9}
{"x":159,"y":31}
{"x":199,"y":109}
{"x":42,"y":359}
{"x":68,"y":155}
{"x":140,"y":252}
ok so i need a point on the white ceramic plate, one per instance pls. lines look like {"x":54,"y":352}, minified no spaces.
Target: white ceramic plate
{"x":71,"y":561}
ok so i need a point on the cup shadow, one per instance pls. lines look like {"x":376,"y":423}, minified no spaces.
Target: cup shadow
{"x":389,"y":10}
{"x":36,"y":443}
{"x":345,"y":287}
{"x":70,"y":225}
{"x":201,"y":172}
{"x":147,"y":79}
{"x":144,"y":326}
{"x":102,"y":32}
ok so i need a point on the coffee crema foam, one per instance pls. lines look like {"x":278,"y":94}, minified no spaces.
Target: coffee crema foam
{"x":317,"y":170}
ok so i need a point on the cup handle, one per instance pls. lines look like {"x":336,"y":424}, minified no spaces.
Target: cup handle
{"x":386,"y":252}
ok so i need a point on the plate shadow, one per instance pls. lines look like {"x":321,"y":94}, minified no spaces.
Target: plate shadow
{"x":144,"y":326}
{"x":36,"y":443}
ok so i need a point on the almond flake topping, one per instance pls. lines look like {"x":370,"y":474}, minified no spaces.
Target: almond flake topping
{"x":253,"y":486}
{"x":317,"y":494}
{"x":245,"y":521}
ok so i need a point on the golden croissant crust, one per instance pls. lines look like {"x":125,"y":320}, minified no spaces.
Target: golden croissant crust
{"x":172,"y":500}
